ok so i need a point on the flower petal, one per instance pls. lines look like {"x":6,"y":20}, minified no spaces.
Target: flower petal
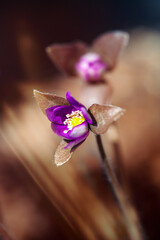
{"x":47,"y":100}
{"x":110,"y":46}
{"x":86,"y":115}
{"x":59,"y":129}
{"x":57,"y":114}
{"x":77,"y":141}
{"x":79,"y":106}
{"x":76,"y":132}
{"x":50,"y":113}
{"x":73,"y":101}
{"x":62,"y":154}
{"x":79,"y":130}
{"x":91,"y":67}
{"x":65,"y":56}
{"x":104,"y":115}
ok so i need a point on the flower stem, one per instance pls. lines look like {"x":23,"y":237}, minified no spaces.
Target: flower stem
{"x":4,"y":234}
{"x":130,"y":217}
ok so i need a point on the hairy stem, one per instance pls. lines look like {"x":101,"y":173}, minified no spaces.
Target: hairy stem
{"x":130,"y":217}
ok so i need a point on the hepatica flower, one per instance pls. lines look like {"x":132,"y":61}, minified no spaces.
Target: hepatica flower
{"x":89,"y":62}
{"x":73,"y":122}
{"x":90,"y":66}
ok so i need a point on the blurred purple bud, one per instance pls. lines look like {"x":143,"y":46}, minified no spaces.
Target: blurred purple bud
{"x":89,"y":61}
{"x":90,"y":67}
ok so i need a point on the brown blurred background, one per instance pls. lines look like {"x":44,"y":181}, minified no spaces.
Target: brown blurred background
{"x":37,"y":200}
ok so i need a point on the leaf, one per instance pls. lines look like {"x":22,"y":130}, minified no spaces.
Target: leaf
{"x":65,"y":56}
{"x":46,"y":100}
{"x":62,"y":154}
{"x":103,"y":116}
{"x":110,"y":46}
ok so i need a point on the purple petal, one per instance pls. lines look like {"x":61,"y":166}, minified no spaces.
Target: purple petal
{"x":59,"y":129}
{"x":77,"y":141}
{"x":73,"y":101}
{"x":49,"y":113}
{"x":63,"y":110}
{"x":91,"y":67}
{"x":79,"y":106}
{"x":58,"y":114}
{"x":86,"y":115}
{"x":79,"y":130}
{"x":75,"y":133}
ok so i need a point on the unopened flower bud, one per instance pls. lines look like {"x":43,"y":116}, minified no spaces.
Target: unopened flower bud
{"x":90,"y":67}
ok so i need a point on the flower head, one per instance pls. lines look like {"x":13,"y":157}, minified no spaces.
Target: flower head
{"x":90,"y":62}
{"x":72,"y":121}
{"x":90,"y":66}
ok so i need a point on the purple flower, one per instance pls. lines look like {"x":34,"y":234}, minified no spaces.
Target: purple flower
{"x":73,"y":122}
{"x":90,"y":62}
{"x":90,"y":67}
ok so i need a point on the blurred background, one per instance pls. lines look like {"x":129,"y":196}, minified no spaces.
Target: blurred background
{"x":38,"y":200}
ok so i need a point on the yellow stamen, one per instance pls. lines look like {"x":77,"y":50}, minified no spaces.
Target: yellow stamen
{"x":74,"y":119}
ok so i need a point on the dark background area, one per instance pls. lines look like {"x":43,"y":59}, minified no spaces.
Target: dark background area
{"x":63,"y":21}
